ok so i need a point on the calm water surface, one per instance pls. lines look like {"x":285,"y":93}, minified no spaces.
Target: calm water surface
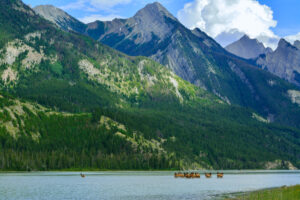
{"x":135,"y":185}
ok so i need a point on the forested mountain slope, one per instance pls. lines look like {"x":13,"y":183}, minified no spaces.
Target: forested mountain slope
{"x":197,"y":58}
{"x":33,"y":137}
{"x":70,"y":102}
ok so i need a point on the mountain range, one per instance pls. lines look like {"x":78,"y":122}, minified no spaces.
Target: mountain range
{"x":283,"y":62}
{"x":195,"y":57}
{"x":69,"y":102}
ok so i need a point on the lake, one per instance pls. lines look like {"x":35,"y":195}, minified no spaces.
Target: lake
{"x":136,"y":185}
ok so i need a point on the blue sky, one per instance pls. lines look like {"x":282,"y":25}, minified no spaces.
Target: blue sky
{"x":287,"y":14}
{"x":124,"y":10}
{"x":281,"y":18}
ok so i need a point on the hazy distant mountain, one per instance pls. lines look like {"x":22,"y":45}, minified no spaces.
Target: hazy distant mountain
{"x":247,"y":48}
{"x":283,"y":62}
{"x":60,"y":18}
{"x":297,"y":44}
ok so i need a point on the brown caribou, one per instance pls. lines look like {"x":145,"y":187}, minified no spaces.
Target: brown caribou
{"x":220,"y":175}
{"x":208,"y":175}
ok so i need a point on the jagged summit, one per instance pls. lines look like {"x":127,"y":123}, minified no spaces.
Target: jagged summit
{"x":246,"y":37}
{"x":154,"y":10}
{"x":51,"y":13}
{"x":60,"y":18}
{"x":283,"y":62}
{"x":284,"y":44}
{"x":247,"y":48}
{"x":155,"y":7}
{"x":297,"y":44}
{"x":153,"y":22}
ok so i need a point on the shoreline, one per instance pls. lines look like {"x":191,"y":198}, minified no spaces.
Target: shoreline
{"x":246,"y":171}
{"x":286,"y":192}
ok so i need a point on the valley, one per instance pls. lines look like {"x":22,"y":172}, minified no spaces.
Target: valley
{"x":71,"y":102}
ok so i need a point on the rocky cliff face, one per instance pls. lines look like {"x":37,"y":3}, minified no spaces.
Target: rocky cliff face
{"x":247,"y":48}
{"x":60,"y":18}
{"x":283,"y":62}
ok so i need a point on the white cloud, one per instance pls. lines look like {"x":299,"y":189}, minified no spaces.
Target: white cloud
{"x":93,"y":18}
{"x":293,"y":38}
{"x":220,"y":18}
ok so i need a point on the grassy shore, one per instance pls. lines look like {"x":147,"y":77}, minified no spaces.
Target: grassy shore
{"x":282,"y":193}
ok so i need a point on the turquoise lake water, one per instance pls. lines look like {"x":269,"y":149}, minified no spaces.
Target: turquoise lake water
{"x":136,"y":185}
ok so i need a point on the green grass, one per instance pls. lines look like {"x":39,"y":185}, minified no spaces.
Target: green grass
{"x":282,"y":193}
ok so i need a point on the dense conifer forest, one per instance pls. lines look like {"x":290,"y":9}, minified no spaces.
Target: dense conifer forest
{"x":69,"y":102}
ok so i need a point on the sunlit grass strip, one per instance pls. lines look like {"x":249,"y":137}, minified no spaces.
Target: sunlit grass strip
{"x":282,"y":193}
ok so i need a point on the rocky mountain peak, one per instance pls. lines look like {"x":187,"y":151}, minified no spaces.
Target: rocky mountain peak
{"x":245,"y":38}
{"x":297,"y":44}
{"x":284,"y":44}
{"x":247,"y":48}
{"x":151,"y":22}
{"x":60,"y":18}
{"x":154,"y":10}
{"x":283,"y":62}
{"x":51,"y":13}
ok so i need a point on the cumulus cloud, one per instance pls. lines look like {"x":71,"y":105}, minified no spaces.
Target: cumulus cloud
{"x":93,"y":18}
{"x":227,"y":20}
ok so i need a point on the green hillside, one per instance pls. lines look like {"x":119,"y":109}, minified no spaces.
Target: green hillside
{"x":69,"y":102}
{"x":33,"y":137}
{"x":36,"y":138}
